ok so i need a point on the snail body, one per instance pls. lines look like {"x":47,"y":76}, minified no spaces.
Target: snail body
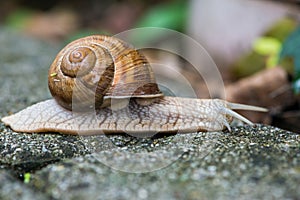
{"x":91,"y":74}
{"x":166,"y":114}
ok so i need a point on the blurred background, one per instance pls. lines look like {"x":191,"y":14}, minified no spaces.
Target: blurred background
{"x":59,"y":20}
{"x":254,"y":43}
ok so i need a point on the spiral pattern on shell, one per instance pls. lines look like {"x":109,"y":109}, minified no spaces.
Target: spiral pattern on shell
{"x":94,"y":67}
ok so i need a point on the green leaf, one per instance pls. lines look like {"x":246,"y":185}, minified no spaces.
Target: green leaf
{"x":270,"y":47}
{"x":27,"y":177}
{"x":267,"y":46}
{"x":172,"y":15}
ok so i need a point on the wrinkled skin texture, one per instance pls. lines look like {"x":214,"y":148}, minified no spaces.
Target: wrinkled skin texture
{"x":167,"y":114}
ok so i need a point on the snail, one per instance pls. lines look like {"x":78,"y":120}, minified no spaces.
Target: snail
{"x":100,"y":84}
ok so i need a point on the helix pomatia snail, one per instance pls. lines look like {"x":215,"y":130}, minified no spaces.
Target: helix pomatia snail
{"x":91,"y":72}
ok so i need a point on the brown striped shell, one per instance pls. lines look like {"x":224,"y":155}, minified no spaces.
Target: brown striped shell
{"x":96,"y":67}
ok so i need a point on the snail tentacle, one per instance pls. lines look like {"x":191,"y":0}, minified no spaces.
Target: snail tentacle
{"x":238,"y":106}
{"x":231,"y":113}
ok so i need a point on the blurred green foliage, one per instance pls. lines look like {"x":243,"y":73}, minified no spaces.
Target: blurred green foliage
{"x":266,"y":50}
{"x":290,"y":54}
{"x":167,"y":14}
{"x":172,"y":15}
{"x":268,"y":47}
{"x":281,"y":29}
{"x":18,"y":18}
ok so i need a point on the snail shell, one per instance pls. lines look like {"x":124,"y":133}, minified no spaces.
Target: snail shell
{"x":94,"y":68}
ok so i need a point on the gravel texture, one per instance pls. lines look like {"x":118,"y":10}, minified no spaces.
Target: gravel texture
{"x":260,"y":162}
